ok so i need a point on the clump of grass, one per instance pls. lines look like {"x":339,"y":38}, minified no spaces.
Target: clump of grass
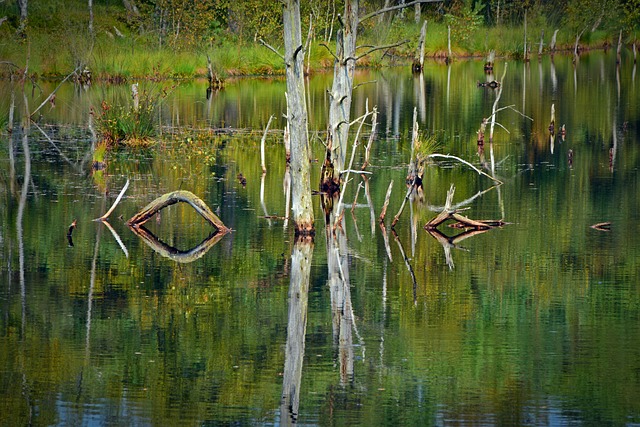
{"x":129,"y":125}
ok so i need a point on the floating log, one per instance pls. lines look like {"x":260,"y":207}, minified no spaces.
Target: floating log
{"x":172,"y":198}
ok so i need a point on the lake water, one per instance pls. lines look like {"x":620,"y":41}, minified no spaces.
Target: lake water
{"x":533,"y":323}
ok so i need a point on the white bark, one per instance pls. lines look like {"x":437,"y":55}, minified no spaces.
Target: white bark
{"x":302,"y":207}
{"x":90,"y":17}
{"x":22,"y":5}
{"x":344,"y":66}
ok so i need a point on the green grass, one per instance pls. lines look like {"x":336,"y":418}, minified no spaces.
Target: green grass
{"x":58,"y":41}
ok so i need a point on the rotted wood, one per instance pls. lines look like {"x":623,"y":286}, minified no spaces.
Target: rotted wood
{"x":172,"y":198}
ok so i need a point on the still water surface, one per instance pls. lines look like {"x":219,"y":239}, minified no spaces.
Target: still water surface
{"x":534,"y":323}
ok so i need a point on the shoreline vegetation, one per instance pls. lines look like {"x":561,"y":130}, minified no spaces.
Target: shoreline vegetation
{"x":121,"y":44}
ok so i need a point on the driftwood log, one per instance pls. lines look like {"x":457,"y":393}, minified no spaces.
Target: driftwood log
{"x":172,"y":198}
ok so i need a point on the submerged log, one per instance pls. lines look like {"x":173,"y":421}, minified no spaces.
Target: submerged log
{"x":172,"y":198}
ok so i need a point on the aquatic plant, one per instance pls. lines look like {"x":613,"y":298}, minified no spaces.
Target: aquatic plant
{"x":132,"y":125}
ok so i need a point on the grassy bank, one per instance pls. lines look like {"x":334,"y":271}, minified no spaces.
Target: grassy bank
{"x":57,"y":41}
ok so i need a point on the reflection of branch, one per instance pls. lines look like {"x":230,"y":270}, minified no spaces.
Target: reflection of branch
{"x":449,"y":243}
{"x":385,"y":237}
{"x":264,"y":206}
{"x":175,"y":254}
{"x":66,"y":159}
{"x":117,"y":237}
{"x":372,"y":213}
{"x":408,"y":264}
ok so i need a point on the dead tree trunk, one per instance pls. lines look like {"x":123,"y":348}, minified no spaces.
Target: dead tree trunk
{"x":552,"y":45}
{"x":418,"y":63}
{"x":302,"y":207}
{"x":91,"y":18}
{"x":343,"y":69}
{"x":22,"y":5}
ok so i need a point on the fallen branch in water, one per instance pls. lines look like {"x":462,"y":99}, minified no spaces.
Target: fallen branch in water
{"x":461,"y":221}
{"x":172,"y":198}
{"x":106,"y":215}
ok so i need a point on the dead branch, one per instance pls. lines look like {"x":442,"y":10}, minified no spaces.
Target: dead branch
{"x":404,"y":201}
{"x":602,"y":226}
{"x":273,"y":49}
{"x":106,"y":215}
{"x":353,"y":152}
{"x":172,"y":198}
{"x":448,"y":212}
{"x":54,"y":91}
{"x":407,"y":264}
{"x":374,"y":125}
{"x":330,"y":51}
{"x":373,"y":49}
{"x":383,"y":213}
{"x":392,"y":8}
{"x":264,"y":136}
{"x":385,"y":237}
{"x":495,"y":104}
{"x":448,"y":156}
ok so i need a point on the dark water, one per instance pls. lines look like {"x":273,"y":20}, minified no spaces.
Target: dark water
{"x":533,"y":323}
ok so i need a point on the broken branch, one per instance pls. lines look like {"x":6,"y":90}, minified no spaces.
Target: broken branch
{"x":106,"y":215}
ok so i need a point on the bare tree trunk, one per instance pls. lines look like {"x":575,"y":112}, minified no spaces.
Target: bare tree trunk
{"x":344,"y":66}
{"x":22,"y":5}
{"x":302,"y":207}
{"x":524,"y":54}
{"x":552,"y":45}
{"x":91,"y":18}
{"x":418,"y":12}
{"x":387,"y":3}
{"x":418,"y":63}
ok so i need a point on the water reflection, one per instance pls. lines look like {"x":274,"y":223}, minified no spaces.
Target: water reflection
{"x":301,"y":257}
{"x":177,"y":255}
{"x":536,"y":324}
